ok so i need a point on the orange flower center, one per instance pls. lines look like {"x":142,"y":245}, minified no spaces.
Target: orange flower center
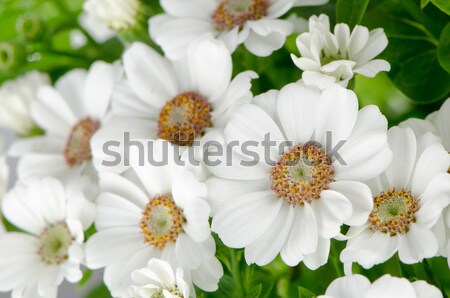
{"x":232,"y":13}
{"x":78,"y":148}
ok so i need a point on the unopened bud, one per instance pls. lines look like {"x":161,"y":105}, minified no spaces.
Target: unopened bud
{"x":12,"y":56}
{"x":30,"y":27}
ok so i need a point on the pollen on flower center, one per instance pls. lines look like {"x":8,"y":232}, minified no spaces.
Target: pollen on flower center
{"x":184,"y":118}
{"x":78,"y":148}
{"x":162,"y":221}
{"x":232,"y":13}
{"x":302,"y":174}
{"x":393,"y":212}
{"x":55,"y":243}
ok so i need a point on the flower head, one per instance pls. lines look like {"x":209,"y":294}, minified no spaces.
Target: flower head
{"x":255,"y":23}
{"x":158,"y":280}
{"x":408,"y":200}
{"x":296,"y":195}
{"x":54,"y":217}
{"x":119,"y":15}
{"x":153,"y":212}
{"x":16,"y":97}
{"x":358,"y":286}
{"x":327,"y":58}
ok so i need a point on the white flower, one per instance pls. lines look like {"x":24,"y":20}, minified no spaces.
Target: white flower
{"x":255,"y":23}
{"x":16,"y":97}
{"x":278,"y":206}
{"x":69,"y":114}
{"x":4,"y":177}
{"x":158,"y":280}
{"x":387,"y":286}
{"x":153,"y":212}
{"x":408,"y":200}
{"x":54,"y":218}
{"x":439,"y":124}
{"x":183,"y":102}
{"x":119,"y":15}
{"x":328,"y":58}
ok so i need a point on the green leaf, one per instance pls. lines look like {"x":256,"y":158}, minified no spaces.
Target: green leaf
{"x":84,"y":280}
{"x":443,"y":5}
{"x":424,"y":3}
{"x":305,"y":293}
{"x":444,"y":48}
{"x":100,"y":291}
{"x":350,"y":11}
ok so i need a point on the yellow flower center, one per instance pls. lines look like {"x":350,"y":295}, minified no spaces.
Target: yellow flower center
{"x":184,"y":118}
{"x":232,"y":13}
{"x":162,"y":221}
{"x":302,"y":174}
{"x":393,"y":212}
{"x":78,"y":148}
{"x":55,"y":243}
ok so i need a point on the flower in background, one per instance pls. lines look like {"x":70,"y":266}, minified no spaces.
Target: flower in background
{"x":327,"y":58}
{"x":295,"y":204}
{"x":158,"y":280}
{"x":69,"y":114}
{"x":182,"y":102}
{"x":153,"y":212}
{"x":118,"y":15}
{"x":438,"y":123}
{"x":387,"y":286}
{"x":408,"y":200}
{"x":255,"y":23}
{"x":53,"y":218}
{"x":16,"y":96}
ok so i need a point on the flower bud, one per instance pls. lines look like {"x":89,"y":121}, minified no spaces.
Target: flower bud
{"x":12,"y":56}
{"x":30,"y":27}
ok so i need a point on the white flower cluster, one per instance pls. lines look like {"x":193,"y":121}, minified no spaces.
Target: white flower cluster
{"x":330,"y":163}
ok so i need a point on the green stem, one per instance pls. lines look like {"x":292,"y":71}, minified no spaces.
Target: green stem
{"x":337,"y":265}
{"x":236,"y":273}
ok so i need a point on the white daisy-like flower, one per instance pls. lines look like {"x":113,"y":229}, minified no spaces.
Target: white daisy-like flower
{"x":387,"y":286}
{"x":327,"y":58}
{"x":69,"y":114}
{"x":439,"y":124}
{"x":255,"y":23}
{"x":53,"y":217}
{"x":296,"y":203}
{"x":4,"y":177}
{"x":182,"y":102}
{"x":119,"y":15}
{"x":158,"y":280}
{"x":153,"y":212}
{"x":408,"y":200}
{"x":16,"y":96}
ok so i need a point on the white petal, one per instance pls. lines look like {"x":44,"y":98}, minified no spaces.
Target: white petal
{"x":71,"y":87}
{"x":191,"y":254}
{"x":352,"y":286}
{"x":320,"y":256}
{"x":418,"y":243}
{"x":358,"y":39}
{"x":425,"y":290}
{"x":191,"y":8}
{"x":372,"y":68}
{"x":263,"y":46}
{"x":391,"y":287}
{"x":207,"y":276}
{"x":112,"y":206}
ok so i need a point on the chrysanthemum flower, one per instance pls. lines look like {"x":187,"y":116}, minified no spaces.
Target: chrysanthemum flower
{"x":439,"y":124}
{"x":158,"y":280}
{"x":327,"y":58}
{"x":53,"y":218}
{"x":119,"y":15}
{"x":69,"y":114}
{"x":408,"y":200}
{"x":296,"y":203}
{"x":153,"y":212}
{"x":387,"y":286}
{"x":255,"y":23}
{"x":16,"y":97}
{"x":182,"y":102}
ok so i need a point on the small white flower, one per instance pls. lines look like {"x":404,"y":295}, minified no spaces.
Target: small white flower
{"x":16,"y":96}
{"x":184,"y":101}
{"x":119,"y":15}
{"x":255,"y":23}
{"x":69,"y":114}
{"x":54,"y":218}
{"x":328,"y":58}
{"x":158,"y":280}
{"x":408,"y":200}
{"x":387,"y":286}
{"x":153,"y":212}
{"x":294,"y":209}
{"x":439,"y":124}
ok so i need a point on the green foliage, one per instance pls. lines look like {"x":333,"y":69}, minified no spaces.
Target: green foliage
{"x":444,"y":48}
{"x":350,"y":11}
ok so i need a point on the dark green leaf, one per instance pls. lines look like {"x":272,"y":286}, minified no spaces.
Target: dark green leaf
{"x":424,"y":3}
{"x":100,"y":291}
{"x":444,"y":48}
{"x":305,"y":293}
{"x":350,"y":11}
{"x":84,"y":280}
{"x":443,"y":5}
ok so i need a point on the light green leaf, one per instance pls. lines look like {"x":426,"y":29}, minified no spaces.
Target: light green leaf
{"x":305,"y":293}
{"x":350,"y":11}
{"x":443,"y":5}
{"x":424,"y":3}
{"x":444,"y":48}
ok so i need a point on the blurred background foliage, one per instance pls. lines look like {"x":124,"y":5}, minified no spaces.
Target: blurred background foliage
{"x":37,"y":34}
